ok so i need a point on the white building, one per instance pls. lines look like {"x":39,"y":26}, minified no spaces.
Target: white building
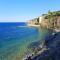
{"x":41,"y":18}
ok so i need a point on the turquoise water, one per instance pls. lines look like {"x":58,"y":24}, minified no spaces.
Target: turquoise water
{"x":14,"y":41}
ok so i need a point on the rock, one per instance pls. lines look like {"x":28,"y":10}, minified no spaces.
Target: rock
{"x":53,"y":53}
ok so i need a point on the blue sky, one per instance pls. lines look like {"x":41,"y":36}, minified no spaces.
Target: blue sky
{"x":22,"y":10}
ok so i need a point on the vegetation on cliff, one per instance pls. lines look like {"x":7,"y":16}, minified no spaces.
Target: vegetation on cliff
{"x":50,"y":14}
{"x":53,"y":19}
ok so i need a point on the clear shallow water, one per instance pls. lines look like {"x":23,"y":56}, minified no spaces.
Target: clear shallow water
{"x":14,"y":40}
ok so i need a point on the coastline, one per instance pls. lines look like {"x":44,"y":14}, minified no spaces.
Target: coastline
{"x":37,"y":26}
{"x":38,"y":51}
{"x":44,"y":46}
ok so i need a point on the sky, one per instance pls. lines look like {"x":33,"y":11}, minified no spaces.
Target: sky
{"x":23,"y":10}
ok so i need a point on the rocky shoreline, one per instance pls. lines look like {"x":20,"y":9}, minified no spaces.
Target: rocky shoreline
{"x":50,"y":49}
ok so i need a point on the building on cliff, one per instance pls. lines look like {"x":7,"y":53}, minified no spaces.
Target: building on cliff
{"x":44,"y":22}
{"x":35,"y":21}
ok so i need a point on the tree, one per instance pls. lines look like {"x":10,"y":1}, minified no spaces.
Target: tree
{"x":38,"y":20}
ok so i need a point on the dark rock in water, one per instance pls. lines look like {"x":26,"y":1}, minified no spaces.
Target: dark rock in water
{"x":50,"y":39}
{"x":29,"y":58}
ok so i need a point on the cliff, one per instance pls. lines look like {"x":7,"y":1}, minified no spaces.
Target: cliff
{"x":50,"y":20}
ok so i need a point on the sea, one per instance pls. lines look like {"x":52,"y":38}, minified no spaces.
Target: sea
{"x":15,"y":37}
